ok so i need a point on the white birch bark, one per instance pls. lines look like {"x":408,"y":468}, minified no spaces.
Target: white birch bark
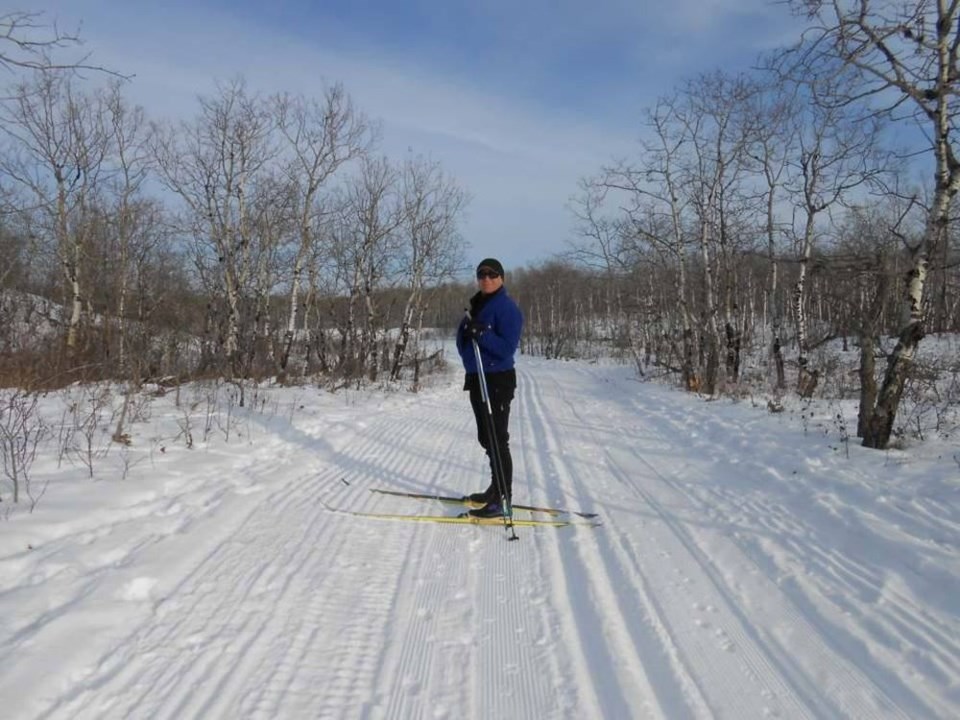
{"x":910,"y":54}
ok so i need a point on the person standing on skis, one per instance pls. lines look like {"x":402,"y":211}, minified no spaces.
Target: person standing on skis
{"x":495,"y":323}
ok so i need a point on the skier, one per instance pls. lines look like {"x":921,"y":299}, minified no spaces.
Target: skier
{"x":495,"y":322}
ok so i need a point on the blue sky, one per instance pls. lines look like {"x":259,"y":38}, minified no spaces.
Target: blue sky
{"x":516,"y":99}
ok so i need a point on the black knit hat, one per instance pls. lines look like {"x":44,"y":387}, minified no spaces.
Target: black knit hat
{"x":492,"y":264}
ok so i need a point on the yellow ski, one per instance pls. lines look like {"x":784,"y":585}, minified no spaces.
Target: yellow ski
{"x":465,"y":519}
{"x":454,"y":500}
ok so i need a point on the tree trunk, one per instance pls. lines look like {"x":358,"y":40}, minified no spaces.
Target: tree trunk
{"x":305,"y":242}
{"x":800,"y":310}
{"x":880,"y":426}
{"x":779,"y":363}
{"x":868,"y":382}
{"x":400,"y":348}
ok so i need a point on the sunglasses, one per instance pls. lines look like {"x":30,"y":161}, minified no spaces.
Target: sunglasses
{"x":492,"y":274}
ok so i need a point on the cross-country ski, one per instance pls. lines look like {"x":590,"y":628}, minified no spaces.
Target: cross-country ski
{"x":463,"y":500}
{"x":466,"y":519}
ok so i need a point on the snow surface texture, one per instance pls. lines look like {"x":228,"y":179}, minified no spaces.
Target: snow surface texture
{"x":745,"y":568}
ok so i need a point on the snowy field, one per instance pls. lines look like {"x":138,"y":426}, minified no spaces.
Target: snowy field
{"x":749,"y":565}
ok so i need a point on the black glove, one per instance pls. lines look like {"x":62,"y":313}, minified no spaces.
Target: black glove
{"x":474,"y":329}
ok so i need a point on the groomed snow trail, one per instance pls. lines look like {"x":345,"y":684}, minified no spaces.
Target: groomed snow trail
{"x":739,"y":573}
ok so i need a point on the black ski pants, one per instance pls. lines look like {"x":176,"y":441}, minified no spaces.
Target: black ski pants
{"x":501,"y":387}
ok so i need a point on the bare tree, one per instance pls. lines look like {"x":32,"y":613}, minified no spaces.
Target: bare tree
{"x":769,"y":147}
{"x":130,"y":136}
{"x":714,"y":112}
{"x":655,"y":202}
{"x":837,"y":152}
{"x":432,"y":247}
{"x":906,"y":58}
{"x":214,"y":164}
{"x":28,"y":41}
{"x":321,"y":136}
{"x":597,"y":243}
{"x":272,"y":219}
{"x":58,"y":144}
{"x":364,"y":244}
{"x":606,"y":246}
{"x":21,"y":430}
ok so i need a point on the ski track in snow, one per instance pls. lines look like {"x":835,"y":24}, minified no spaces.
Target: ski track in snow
{"x":718,"y":586}
{"x":701,"y":620}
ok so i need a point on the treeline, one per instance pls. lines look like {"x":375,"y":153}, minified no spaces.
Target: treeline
{"x":573,"y":311}
{"x":267,"y":236}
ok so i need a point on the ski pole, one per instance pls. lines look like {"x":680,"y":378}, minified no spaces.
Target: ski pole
{"x":494,"y":445}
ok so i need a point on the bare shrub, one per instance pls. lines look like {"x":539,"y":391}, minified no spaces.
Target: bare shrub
{"x":92,"y":438}
{"x":185,"y":423}
{"x":932,"y":395}
{"x":21,"y":430}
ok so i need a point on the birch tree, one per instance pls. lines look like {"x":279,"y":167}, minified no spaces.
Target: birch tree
{"x":769,"y":147}
{"x":130,"y":213}
{"x":364,"y":245}
{"x":57,"y":146}
{"x":214,"y":165}
{"x":712,"y":111}
{"x":836,"y":153}
{"x":905,"y":56}
{"x":272,"y":220}
{"x":320,"y":136}
{"x":655,"y":202}
{"x":431,"y":249}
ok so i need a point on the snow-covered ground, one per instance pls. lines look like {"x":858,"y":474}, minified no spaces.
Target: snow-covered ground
{"x":746,"y":567}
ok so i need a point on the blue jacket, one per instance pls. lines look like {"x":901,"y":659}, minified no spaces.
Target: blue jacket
{"x":500,"y":341}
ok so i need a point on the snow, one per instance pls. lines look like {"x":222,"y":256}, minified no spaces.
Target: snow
{"x":749,"y":565}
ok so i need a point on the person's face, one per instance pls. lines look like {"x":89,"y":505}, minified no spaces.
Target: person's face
{"x":489,"y":280}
